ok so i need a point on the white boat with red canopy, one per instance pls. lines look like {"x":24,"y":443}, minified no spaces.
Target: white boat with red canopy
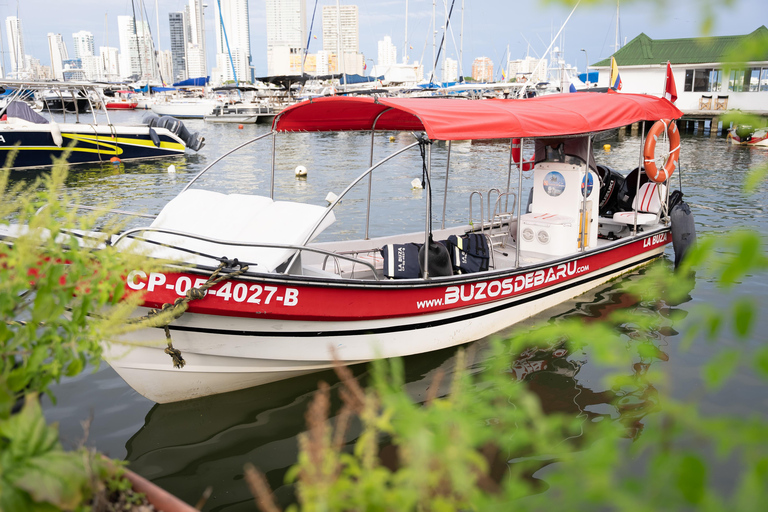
{"x":288,"y":304}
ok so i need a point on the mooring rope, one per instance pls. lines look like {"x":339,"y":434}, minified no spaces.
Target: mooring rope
{"x":178,"y":307}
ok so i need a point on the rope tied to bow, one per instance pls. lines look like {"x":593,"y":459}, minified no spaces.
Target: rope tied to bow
{"x":178,"y":307}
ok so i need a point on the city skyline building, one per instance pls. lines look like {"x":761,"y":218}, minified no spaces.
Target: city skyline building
{"x":286,"y":36}
{"x":197,"y":62}
{"x":137,"y":58}
{"x":521,"y":70}
{"x":57,"y":49}
{"x":177,"y":22}
{"x":73,"y":70}
{"x":341,"y":37}
{"x":233,"y":42}
{"x":15,"y":36}
{"x":110,"y":57}
{"x":482,"y":69}
{"x":83,"y":44}
{"x":387,"y":52}
{"x":450,"y":70}
{"x":165,"y":65}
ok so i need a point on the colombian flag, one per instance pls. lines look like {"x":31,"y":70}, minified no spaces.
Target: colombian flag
{"x":615,"y":81}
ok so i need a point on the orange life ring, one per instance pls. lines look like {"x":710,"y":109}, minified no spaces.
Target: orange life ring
{"x":649,"y":150}
{"x":516,"y":151}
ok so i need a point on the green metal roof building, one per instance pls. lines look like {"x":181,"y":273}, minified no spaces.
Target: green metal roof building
{"x":711,"y":73}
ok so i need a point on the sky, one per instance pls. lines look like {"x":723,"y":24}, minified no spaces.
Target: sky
{"x":526,"y":26}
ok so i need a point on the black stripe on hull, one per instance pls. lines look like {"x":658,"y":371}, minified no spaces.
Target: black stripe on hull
{"x":415,"y":326}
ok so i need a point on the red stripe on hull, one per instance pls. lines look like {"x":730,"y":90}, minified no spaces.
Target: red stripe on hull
{"x":328,"y":301}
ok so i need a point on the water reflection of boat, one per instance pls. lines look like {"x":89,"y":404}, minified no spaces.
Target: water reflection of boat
{"x":186,"y":446}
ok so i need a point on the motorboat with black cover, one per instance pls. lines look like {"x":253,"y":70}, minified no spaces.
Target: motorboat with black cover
{"x":39,"y":139}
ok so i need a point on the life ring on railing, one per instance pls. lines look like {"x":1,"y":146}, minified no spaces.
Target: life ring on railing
{"x":516,"y":151}
{"x":649,"y":150}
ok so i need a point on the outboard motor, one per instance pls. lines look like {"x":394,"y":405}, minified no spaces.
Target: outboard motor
{"x":683,"y":226}
{"x":193,"y":140}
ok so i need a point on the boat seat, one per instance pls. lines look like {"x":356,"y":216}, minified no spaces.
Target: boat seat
{"x":234,"y":218}
{"x":648,"y":204}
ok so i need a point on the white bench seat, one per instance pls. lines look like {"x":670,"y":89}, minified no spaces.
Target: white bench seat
{"x":236,"y":218}
{"x":648,"y":204}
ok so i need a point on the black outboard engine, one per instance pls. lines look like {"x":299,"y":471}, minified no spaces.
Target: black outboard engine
{"x":193,"y":140}
{"x":683,"y":226}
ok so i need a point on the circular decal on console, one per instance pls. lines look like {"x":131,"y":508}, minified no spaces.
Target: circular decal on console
{"x":589,"y":180}
{"x":554,"y":183}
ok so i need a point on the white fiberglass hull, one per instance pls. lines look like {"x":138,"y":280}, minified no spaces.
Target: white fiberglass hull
{"x":184,"y":109}
{"x":225,"y":353}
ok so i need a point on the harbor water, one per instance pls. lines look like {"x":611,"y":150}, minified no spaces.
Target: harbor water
{"x":186,"y":447}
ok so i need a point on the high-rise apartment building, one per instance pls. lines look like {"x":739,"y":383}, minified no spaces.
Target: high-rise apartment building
{"x":197,"y":64}
{"x":83,"y":44}
{"x":521,"y":70}
{"x":58,"y":52}
{"x":233,"y":42}
{"x":286,"y":35}
{"x":340,"y":28}
{"x":450,"y":70}
{"x":178,"y":25}
{"x":346,"y":15}
{"x":137,"y":58}
{"x":482,"y":69}
{"x":165,"y":63}
{"x":110,"y":62}
{"x":387,"y":53}
{"x":15,"y":44}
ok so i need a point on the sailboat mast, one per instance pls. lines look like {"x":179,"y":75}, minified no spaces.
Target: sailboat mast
{"x":445,"y":38}
{"x":157,"y":22}
{"x":339,"y":41}
{"x":616,"y":45}
{"x":226,"y":40}
{"x":405,"y":45}
{"x":434,"y":42}
{"x":461,"y":44}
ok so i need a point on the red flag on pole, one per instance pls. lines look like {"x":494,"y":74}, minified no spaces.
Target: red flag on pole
{"x":670,"y":90}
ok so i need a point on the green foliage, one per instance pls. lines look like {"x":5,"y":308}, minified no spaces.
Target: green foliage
{"x":61,"y":294}
{"x":35,"y":472}
{"x":61,"y":297}
{"x":486,"y":443}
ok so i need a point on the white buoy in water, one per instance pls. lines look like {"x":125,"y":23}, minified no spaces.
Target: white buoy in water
{"x":301,"y":171}
{"x":171,"y":168}
{"x":331,"y":197}
{"x":416,"y":184}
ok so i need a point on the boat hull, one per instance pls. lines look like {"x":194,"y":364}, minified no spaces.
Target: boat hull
{"x":88,"y":144}
{"x":279,"y":328}
{"x":121,"y":106}
{"x":234,"y":118}
{"x":186,"y":110}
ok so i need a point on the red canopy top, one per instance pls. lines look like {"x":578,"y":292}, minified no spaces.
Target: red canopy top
{"x":455,"y":119}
